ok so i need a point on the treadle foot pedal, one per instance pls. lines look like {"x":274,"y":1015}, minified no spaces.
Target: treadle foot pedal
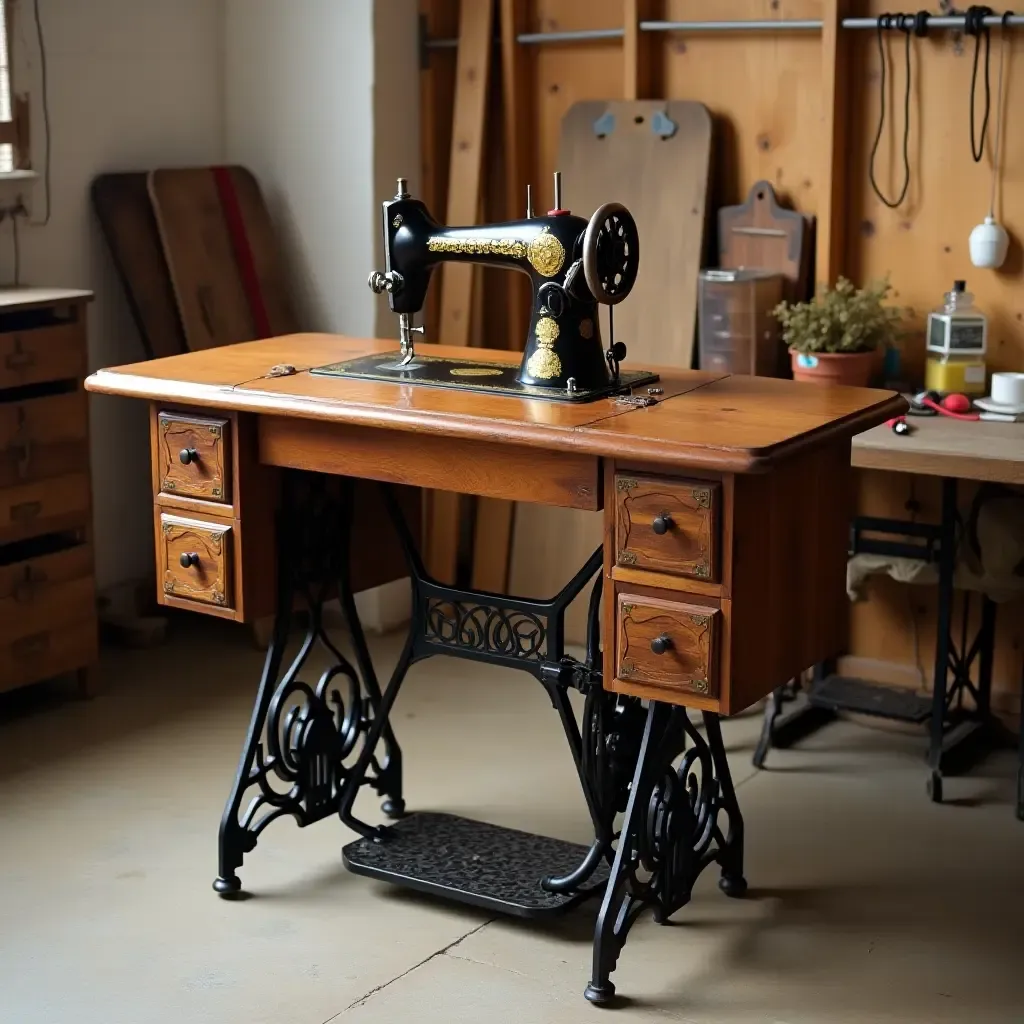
{"x":838,"y":693}
{"x":473,"y":862}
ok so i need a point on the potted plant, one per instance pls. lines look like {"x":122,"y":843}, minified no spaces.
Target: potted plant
{"x":835,"y":338}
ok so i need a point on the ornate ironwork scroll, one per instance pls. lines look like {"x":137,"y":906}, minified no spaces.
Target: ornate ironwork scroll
{"x":301,"y":734}
{"x":671,"y":831}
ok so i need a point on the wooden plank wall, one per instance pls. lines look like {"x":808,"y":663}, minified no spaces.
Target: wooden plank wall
{"x":800,"y":110}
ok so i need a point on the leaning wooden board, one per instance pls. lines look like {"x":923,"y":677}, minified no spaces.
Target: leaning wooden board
{"x":761,"y":235}
{"x":654,"y":157}
{"x":125,"y":213}
{"x":222,"y":254}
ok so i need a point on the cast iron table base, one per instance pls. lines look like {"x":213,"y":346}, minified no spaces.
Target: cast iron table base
{"x":960,"y":734}
{"x":658,"y":791}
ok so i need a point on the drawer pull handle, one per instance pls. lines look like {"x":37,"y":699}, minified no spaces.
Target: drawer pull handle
{"x":662,"y":524}
{"x":188,"y":456}
{"x":661,"y":644}
{"x":188,"y":559}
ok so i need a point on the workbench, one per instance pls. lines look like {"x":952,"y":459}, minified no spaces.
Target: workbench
{"x":959,"y":733}
{"x":721,"y":574}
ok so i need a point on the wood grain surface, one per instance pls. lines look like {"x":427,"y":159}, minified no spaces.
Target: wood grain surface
{"x":125,"y":213}
{"x":689,"y":544}
{"x":43,"y":437}
{"x":688,"y":665}
{"x":208,"y":286}
{"x":43,"y":354}
{"x":494,"y":470}
{"x":729,"y":424}
{"x":940,"y":446}
{"x":209,"y":543}
{"x":208,"y":440}
{"x":761,"y":235}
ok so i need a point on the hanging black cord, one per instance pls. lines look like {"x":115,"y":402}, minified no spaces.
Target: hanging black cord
{"x":974,"y":25}
{"x":905,"y":23}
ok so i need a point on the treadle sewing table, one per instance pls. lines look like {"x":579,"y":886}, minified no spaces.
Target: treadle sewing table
{"x":721,"y":575}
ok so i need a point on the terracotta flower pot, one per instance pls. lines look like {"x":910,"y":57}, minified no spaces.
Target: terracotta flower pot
{"x":854,"y":368}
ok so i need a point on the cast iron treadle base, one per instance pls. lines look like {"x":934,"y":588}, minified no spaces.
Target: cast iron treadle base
{"x":473,"y":862}
{"x":837,"y":693}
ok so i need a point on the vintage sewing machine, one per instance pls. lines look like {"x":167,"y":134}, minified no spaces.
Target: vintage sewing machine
{"x":573,"y":265}
{"x":707,"y":589}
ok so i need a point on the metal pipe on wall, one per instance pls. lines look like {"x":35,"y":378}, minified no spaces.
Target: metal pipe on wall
{"x":935,"y":21}
{"x":767,"y":25}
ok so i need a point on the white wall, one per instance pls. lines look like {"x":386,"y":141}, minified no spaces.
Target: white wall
{"x":322,"y":104}
{"x":133,"y":84}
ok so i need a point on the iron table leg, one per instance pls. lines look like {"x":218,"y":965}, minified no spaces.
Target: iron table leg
{"x":300,"y":736}
{"x":947,"y":557}
{"x":670,"y":832}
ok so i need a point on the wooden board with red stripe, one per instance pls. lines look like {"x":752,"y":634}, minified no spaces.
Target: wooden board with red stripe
{"x":222,"y":254}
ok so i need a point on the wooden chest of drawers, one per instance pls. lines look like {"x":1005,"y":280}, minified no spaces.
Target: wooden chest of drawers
{"x":720,"y":587}
{"x":48,"y":621}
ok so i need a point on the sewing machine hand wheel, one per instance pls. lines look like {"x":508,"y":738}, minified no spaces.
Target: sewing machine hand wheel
{"x":611,"y":253}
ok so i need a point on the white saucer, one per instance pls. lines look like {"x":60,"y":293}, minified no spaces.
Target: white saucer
{"x":989,"y":406}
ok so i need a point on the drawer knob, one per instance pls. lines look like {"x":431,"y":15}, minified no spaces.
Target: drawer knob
{"x":187,"y":559}
{"x":187,"y":456}
{"x":661,"y":644}
{"x":662,"y":524}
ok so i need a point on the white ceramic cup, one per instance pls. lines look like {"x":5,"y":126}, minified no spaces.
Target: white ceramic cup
{"x":1008,"y":388}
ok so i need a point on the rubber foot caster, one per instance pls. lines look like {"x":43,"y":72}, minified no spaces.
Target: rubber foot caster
{"x":934,"y":788}
{"x":599,"y":995}
{"x":227,"y":887}
{"x":734,"y":886}
{"x":394,"y":809}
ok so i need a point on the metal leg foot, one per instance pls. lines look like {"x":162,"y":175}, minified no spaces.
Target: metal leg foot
{"x":227,"y":887}
{"x":394,"y":809}
{"x":599,"y":995}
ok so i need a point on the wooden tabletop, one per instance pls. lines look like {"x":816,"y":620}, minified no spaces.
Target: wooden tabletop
{"x":941,"y":446}
{"x":729,"y":423}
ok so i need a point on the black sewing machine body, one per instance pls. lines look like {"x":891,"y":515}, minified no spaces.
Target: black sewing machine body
{"x":564,"y":339}
{"x":573,"y":264}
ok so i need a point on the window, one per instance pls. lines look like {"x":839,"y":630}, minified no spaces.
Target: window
{"x":8,"y":129}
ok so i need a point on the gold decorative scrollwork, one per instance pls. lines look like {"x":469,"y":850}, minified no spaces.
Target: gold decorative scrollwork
{"x":626,"y":668}
{"x":627,"y":609}
{"x":627,"y":557}
{"x":625,"y":483}
{"x":700,"y":620}
{"x":475,"y":371}
{"x":479,"y":246}
{"x":700,"y":685}
{"x":702,"y":496}
{"x":544,"y":363}
{"x":546,"y":254}
{"x":702,"y":570}
{"x":215,"y":431}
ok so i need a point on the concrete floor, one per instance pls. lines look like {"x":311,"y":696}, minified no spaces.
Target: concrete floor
{"x":867,"y":902}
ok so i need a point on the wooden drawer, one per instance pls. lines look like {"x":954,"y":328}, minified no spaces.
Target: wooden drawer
{"x":193,"y":456}
{"x":667,"y":644}
{"x":40,"y":592}
{"x":44,"y":354}
{"x":196,"y":559}
{"x":42,"y":438}
{"x":667,"y":525}
{"x":60,"y":647}
{"x":44,"y":506}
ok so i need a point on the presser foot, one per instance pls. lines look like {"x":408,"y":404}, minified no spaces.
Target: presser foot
{"x":672,"y":830}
